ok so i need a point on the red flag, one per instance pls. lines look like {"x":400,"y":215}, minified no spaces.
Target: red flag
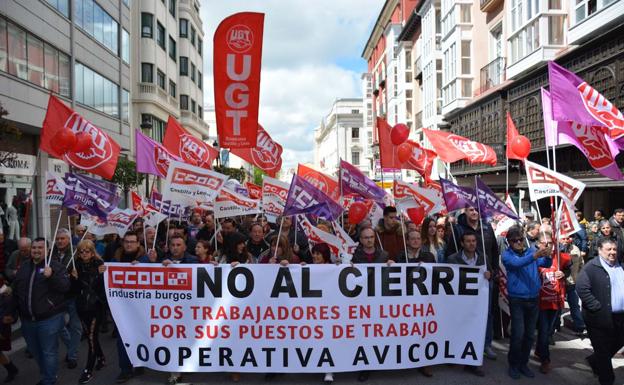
{"x":237,"y":61}
{"x":137,"y":203}
{"x":422,"y":160}
{"x":512,"y":132}
{"x":187,"y":147}
{"x":387,"y":151}
{"x":266,"y":155}
{"x":255,"y":191}
{"x":325,"y":183}
{"x":101,"y":156}
{"x":451,"y":148}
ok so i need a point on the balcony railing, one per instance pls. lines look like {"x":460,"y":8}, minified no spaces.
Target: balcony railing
{"x":492,"y":74}
{"x":490,"y":5}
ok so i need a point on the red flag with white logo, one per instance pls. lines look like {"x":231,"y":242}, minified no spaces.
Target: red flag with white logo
{"x":99,"y":158}
{"x":187,"y":147}
{"x":421,"y":160}
{"x":328,"y":185}
{"x":266,"y":155}
{"x":255,"y":191}
{"x":237,"y":61}
{"x":388,"y":155}
{"x":229,"y":203}
{"x":451,"y":148}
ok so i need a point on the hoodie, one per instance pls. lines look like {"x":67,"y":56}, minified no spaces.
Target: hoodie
{"x":523,"y":279}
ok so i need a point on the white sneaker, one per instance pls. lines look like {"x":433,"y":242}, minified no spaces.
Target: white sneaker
{"x":329,"y":377}
{"x":489,"y":353}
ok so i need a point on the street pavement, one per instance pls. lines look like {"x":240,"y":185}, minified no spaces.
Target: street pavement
{"x":568,"y":368}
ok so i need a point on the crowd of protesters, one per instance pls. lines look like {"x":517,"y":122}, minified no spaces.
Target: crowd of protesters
{"x":64,"y":301}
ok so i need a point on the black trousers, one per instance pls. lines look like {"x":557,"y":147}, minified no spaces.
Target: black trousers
{"x":91,"y":321}
{"x":606,"y":342}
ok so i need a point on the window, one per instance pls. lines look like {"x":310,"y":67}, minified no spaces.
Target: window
{"x":200,"y":111}
{"x":192,"y":72}
{"x":147,"y":25}
{"x":193,"y":106}
{"x":125,"y":105}
{"x":355,"y":133}
{"x":184,"y":101}
{"x":35,"y":61}
{"x":172,"y":7}
{"x":193,"y":35}
{"x":465,"y":57}
{"x":554,"y":4}
{"x":97,"y":23}
{"x":369,"y":135}
{"x":125,"y":45}
{"x":183,"y":66}
{"x":172,"y":48}
{"x":464,"y":13}
{"x":96,"y":91}
{"x":17,"y":52}
{"x":160,"y":37}
{"x":60,"y":5}
{"x":183,"y":28}
{"x":199,"y":46}
{"x":355,"y":158}
{"x":172,"y":88}
{"x":51,"y":69}
{"x":555,"y":30}
{"x":200,"y":80}
{"x":147,"y":72}
{"x":466,"y":88}
{"x":355,"y":111}
{"x":160,"y":78}
{"x":64,"y":75}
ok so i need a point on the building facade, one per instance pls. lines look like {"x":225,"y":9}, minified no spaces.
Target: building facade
{"x":342,"y":135}
{"x":78,"y":51}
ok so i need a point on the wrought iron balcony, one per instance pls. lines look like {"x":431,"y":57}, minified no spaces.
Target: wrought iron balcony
{"x":490,"y":5}
{"x":492,"y":74}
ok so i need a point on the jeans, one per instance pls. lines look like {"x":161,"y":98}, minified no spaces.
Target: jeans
{"x":72,"y":333}
{"x":42,"y":339}
{"x":575,"y":309}
{"x":524,"y":312}
{"x":124,"y":361}
{"x":545,"y":328}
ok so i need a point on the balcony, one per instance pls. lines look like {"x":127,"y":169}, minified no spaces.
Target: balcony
{"x":490,"y":5}
{"x":492,"y":74}
{"x":418,"y":69}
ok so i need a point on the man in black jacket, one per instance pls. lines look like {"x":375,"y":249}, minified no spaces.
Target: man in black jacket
{"x":39,"y":296}
{"x":600,"y":285}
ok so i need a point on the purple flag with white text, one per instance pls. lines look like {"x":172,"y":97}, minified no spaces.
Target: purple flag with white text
{"x":303,"y":198}
{"x":87,"y":195}
{"x":353,"y":181}
{"x":490,"y":204}
{"x":457,"y":197}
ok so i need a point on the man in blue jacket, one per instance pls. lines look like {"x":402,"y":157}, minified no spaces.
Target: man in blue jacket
{"x":523,"y":286}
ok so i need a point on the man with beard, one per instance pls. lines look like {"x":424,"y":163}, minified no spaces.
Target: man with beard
{"x":390,"y":233}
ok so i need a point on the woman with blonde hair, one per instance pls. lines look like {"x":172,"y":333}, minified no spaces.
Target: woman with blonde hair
{"x":88,"y":284}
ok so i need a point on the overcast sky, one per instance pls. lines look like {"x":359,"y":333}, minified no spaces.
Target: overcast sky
{"x":311,"y":56}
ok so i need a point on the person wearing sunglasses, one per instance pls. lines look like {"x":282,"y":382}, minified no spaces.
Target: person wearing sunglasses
{"x":523,"y":286}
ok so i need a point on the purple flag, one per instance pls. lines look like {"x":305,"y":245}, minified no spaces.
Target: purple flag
{"x":489,"y":204}
{"x":303,"y":198}
{"x":599,"y":149}
{"x":353,"y":181}
{"x":457,"y":197}
{"x":86,"y":195}
{"x":152,"y":157}
{"x":574,"y":100}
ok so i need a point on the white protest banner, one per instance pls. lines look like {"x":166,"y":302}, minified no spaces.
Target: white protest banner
{"x":231,"y":204}
{"x":55,"y":189}
{"x":274,"y":194}
{"x":316,"y":235}
{"x":191,"y":184}
{"x":568,"y":224}
{"x":117,"y":222}
{"x":408,"y":195}
{"x":318,"y":318}
{"x":544,"y":182}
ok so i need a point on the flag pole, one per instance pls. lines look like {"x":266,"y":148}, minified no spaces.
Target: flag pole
{"x":403,"y":232}
{"x":71,"y":243}
{"x":480,"y":222}
{"x":279,"y":234}
{"x":157,"y":224}
{"x":53,"y":235}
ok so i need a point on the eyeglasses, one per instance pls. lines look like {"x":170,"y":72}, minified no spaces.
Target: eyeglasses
{"x":516,"y":240}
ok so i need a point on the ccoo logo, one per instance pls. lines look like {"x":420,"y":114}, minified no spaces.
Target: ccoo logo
{"x":101,"y":149}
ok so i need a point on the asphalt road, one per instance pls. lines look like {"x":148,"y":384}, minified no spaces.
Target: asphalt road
{"x":568,"y":368}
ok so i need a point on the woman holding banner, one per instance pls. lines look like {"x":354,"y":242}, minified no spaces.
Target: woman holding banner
{"x":431,"y":242}
{"x":88,"y":283}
